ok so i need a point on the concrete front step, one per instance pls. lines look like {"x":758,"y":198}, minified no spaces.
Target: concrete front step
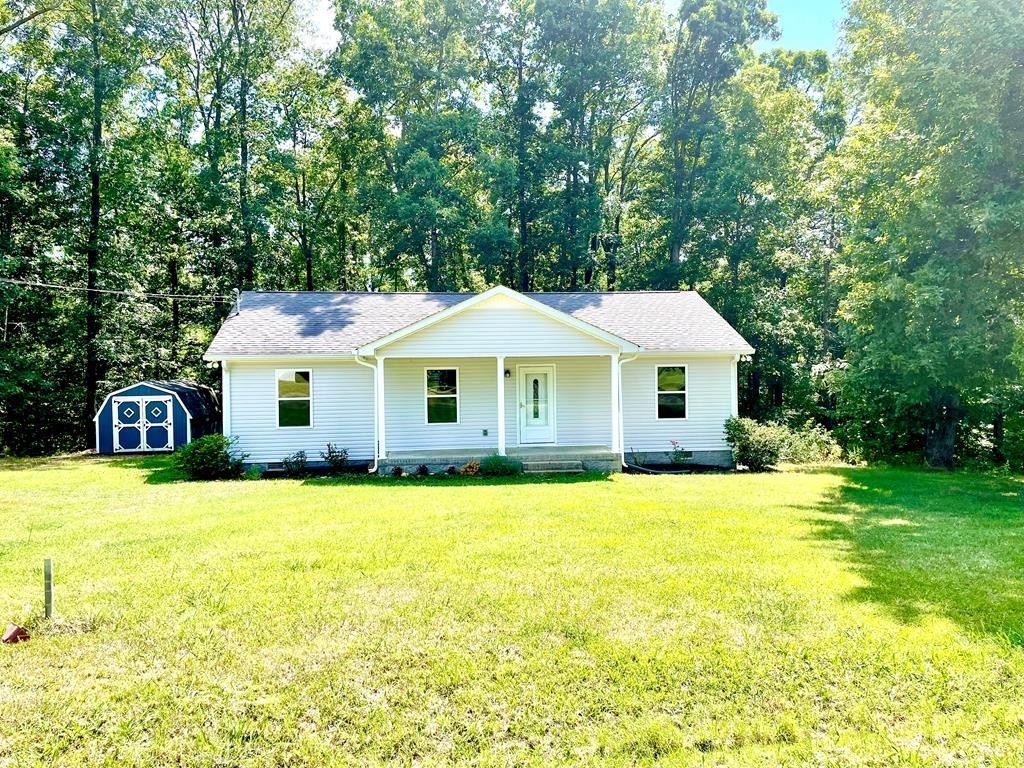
{"x":551,"y":467}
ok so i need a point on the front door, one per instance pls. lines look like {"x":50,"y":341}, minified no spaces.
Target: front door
{"x":537,"y":404}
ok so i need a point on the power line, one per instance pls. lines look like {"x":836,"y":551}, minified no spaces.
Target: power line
{"x":138,"y":294}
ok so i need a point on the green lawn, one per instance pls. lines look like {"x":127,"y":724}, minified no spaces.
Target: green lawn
{"x":842,"y":617}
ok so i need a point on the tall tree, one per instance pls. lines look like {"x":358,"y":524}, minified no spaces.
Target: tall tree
{"x":708,"y":40}
{"x":935,"y":193}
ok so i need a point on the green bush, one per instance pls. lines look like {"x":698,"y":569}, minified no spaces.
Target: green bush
{"x":295,"y":465}
{"x":255,"y":472}
{"x":759,"y":446}
{"x":212,"y":457}
{"x":335,"y":457}
{"x":811,"y":444}
{"x":754,"y":445}
{"x":500,"y":466}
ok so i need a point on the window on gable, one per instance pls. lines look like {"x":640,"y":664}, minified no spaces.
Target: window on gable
{"x":294,"y":398}
{"x":442,"y":395}
{"x":671,"y":391}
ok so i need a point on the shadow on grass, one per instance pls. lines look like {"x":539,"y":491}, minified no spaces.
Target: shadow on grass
{"x":159,"y":469}
{"x":456,"y":481}
{"x":931,"y":543}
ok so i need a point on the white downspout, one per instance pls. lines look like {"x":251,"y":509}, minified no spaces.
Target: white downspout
{"x":622,"y":422}
{"x":373,"y":467}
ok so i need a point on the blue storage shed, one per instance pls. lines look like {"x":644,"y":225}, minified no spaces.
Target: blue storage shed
{"x":155,"y":416}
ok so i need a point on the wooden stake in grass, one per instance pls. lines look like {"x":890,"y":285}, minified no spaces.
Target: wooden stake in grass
{"x":48,"y":588}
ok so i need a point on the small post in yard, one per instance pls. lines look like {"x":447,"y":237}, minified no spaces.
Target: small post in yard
{"x":48,"y":588}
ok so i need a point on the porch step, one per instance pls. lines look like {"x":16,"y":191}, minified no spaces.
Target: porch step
{"x":552,"y":467}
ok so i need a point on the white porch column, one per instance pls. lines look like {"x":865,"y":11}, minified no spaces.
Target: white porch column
{"x":616,"y":405}
{"x":379,"y":392}
{"x":501,"y":406}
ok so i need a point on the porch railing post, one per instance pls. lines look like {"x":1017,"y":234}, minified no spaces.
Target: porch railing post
{"x":501,"y":405}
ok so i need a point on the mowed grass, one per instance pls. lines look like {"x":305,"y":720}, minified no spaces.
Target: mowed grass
{"x":837,"y":617}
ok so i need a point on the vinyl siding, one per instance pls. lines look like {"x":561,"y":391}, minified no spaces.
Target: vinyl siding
{"x":405,"y":405}
{"x":583,"y":410}
{"x":497,"y":326}
{"x":709,"y":404}
{"x":342,"y":411}
{"x":582,"y":403}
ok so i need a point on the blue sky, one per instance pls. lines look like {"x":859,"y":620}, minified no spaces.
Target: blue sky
{"x":807,"y":23}
{"x":804,"y":23}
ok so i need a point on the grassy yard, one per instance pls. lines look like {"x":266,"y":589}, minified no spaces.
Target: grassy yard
{"x":841,"y":617}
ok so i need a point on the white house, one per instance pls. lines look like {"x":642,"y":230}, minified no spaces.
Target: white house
{"x":442,"y":378}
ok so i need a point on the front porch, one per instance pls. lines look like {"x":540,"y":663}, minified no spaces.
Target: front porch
{"x":444,"y":411}
{"x":594,"y":458}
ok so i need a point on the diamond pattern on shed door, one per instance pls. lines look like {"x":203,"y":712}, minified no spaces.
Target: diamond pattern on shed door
{"x":159,"y":430}
{"x":128,"y":424}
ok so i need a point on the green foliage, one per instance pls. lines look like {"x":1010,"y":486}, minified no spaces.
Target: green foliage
{"x":810,"y":444}
{"x":500,"y":466}
{"x":335,"y":457}
{"x":212,"y":457}
{"x":759,"y":446}
{"x":295,"y":465}
{"x":255,"y":472}
{"x":679,"y":455}
{"x":756,"y":446}
{"x":614,"y":144}
{"x":934,"y":189}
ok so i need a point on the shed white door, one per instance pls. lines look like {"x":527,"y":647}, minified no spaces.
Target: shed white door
{"x":537,"y":404}
{"x":143,"y":424}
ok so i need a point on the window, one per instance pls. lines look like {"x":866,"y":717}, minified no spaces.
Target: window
{"x":442,"y":395}
{"x":671,"y":391}
{"x":294,"y":398}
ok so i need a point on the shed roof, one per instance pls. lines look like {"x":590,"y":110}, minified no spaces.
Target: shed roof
{"x":199,"y":400}
{"x":285,"y":324}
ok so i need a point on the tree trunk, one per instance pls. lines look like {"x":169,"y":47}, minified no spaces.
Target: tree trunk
{"x":998,"y":437}
{"x":523,"y":278}
{"x":92,"y":312}
{"x":940,"y":437}
{"x":242,"y":36}
{"x":172,"y":279}
{"x":434,"y":267}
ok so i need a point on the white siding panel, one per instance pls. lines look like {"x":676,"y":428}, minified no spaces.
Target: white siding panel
{"x":583,"y":410}
{"x":405,"y":403}
{"x":709,"y":404}
{"x":497,"y":326}
{"x":342,"y":411}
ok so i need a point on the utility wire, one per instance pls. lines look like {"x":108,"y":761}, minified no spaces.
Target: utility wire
{"x":140,"y":294}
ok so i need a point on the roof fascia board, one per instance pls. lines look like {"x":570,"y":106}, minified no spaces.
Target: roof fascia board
{"x":326,"y":357}
{"x":142,"y":383}
{"x":722,"y":352}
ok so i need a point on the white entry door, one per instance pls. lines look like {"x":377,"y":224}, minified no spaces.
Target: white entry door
{"x":537,"y":404}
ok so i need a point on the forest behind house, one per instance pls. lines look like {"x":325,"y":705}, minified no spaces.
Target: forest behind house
{"x":858,"y":216}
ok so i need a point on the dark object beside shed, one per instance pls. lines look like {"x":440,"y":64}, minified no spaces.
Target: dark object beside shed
{"x":155,"y":416}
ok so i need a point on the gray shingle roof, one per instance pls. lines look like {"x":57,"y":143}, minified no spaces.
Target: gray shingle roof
{"x":314,"y":323}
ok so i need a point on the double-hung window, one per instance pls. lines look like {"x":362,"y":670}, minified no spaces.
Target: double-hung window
{"x":671,"y":392}
{"x":442,"y":388}
{"x":294,"y":398}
